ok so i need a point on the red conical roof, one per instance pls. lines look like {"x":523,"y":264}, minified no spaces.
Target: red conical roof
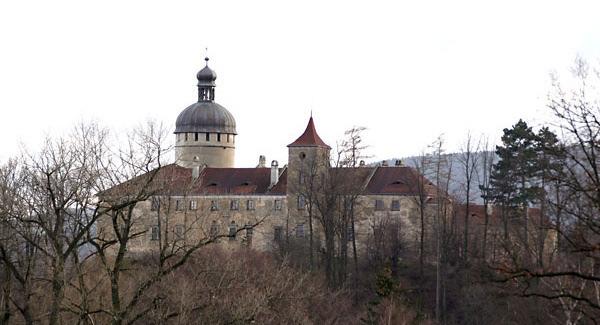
{"x":309,"y":138}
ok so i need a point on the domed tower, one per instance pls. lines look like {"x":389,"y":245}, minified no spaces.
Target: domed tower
{"x":205,"y":131}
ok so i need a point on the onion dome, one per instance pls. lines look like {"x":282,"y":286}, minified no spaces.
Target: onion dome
{"x":205,"y":115}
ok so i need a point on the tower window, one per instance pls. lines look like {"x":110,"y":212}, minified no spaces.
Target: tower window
{"x":196,"y":136}
{"x":302,"y":155}
{"x":278,"y":233}
{"x":228,"y":137}
{"x":207,"y":136}
{"x":186,"y":136}
{"x":218,"y":137}
{"x":154,"y":233}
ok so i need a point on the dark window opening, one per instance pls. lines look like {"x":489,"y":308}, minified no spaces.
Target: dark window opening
{"x":234,"y":205}
{"x":207,"y":136}
{"x":277,"y":204}
{"x":250,"y":205}
{"x":154,"y":233}
{"x":300,"y":230}
{"x":301,"y":202}
{"x":196,"y":136}
{"x":219,"y":137}
{"x":278,"y":233}
{"x":232,"y":230}
{"x":379,"y":205}
{"x":214,"y":205}
{"x":395,"y":205}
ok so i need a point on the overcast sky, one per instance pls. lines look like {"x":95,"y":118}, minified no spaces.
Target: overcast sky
{"x":407,"y":70}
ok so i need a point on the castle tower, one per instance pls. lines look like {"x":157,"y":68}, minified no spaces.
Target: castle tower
{"x":205,"y":131}
{"x":308,"y":159}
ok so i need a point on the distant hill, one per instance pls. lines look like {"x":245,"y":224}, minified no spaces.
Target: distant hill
{"x":458,"y":178}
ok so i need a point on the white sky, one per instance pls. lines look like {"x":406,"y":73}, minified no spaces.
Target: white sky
{"x":407,"y":70}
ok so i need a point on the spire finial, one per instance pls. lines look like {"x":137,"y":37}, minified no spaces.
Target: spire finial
{"x":206,"y":55}
{"x":311,"y":113}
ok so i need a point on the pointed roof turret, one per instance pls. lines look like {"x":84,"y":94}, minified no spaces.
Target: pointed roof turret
{"x":310,"y":137}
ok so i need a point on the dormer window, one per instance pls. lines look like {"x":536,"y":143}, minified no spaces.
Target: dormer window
{"x":398,"y":182}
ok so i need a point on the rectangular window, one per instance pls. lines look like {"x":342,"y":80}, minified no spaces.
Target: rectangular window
{"x":348,"y":204}
{"x":250,"y":205}
{"x":154,"y":204}
{"x":214,"y":229}
{"x":378,"y":205}
{"x":232,"y":230}
{"x":249,"y":233}
{"x":277,"y":204}
{"x":234,"y":205}
{"x":395,"y":205}
{"x":186,"y":136}
{"x":193,"y":204}
{"x":154,"y":233}
{"x":228,"y":138}
{"x":196,"y":136}
{"x":300,"y":230}
{"x":178,"y":205}
{"x":214,"y":205}
{"x":219,"y":137}
{"x":207,"y":136}
{"x":179,"y":232}
{"x":278,"y":233}
{"x":301,"y":202}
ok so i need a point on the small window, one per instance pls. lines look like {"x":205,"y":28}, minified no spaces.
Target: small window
{"x":193,"y":205}
{"x":302,"y":155}
{"x":379,"y":205}
{"x":300,"y":230}
{"x":234,"y":205}
{"x":250,"y":205}
{"x":154,"y":204}
{"x":154,"y":233}
{"x":214,"y":229}
{"x":249,"y":233}
{"x":301,"y":177}
{"x":395,"y":205}
{"x":348,"y":205}
{"x":228,"y":136}
{"x":214,"y":205}
{"x":219,"y":137}
{"x":179,"y":232}
{"x":196,"y":136}
{"x":277,"y":204}
{"x":178,"y":205}
{"x":207,"y":136}
{"x":232,"y":230}
{"x":278,"y":233}
{"x":350,"y":233}
{"x":301,"y":202}
{"x":186,"y":136}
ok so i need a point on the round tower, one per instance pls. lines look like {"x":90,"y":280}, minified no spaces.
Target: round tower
{"x":205,"y":131}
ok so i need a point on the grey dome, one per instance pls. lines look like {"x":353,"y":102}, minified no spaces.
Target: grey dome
{"x":206,"y":76}
{"x":205,"y":116}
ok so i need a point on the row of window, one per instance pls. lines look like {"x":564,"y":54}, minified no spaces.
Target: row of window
{"x":187,"y":136}
{"x":380,"y":206}
{"x":234,"y":205}
{"x":179,"y":231}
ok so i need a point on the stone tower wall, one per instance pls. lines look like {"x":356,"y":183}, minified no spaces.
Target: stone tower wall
{"x":190,"y":152}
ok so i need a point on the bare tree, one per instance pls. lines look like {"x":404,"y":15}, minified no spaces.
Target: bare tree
{"x":468,"y":160}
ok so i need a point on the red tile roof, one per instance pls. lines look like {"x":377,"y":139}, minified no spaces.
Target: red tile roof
{"x":400,"y":181}
{"x":176,"y":180}
{"x":310,"y":137}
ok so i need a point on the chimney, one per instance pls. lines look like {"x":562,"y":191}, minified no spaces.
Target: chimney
{"x":398,"y":162}
{"x":195,"y":172}
{"x":274,"y":173}
{"x":384,"y":163}
{"x":262,"y":162}
{"x":361,"y":163}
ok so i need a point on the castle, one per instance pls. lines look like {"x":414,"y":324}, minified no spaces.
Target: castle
{"x":203,"y":195}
